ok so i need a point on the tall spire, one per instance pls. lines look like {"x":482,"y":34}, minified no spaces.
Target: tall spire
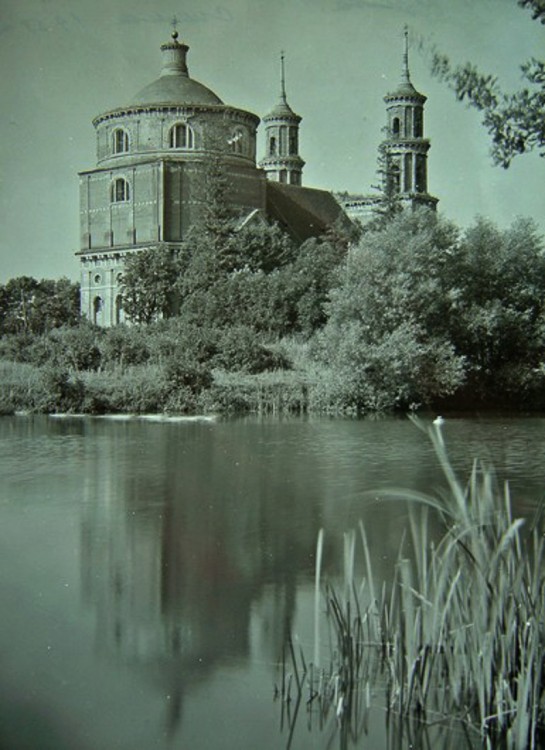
{"x":405,"y":77}
{"x":405,"y":147}
{"x":282,"y":79}
{"x":282,"y":162}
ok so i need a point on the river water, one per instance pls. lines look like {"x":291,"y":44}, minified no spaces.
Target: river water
{"x":149,"y":569}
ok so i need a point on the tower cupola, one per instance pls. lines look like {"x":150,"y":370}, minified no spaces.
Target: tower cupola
{"x":282,"y":162}
{"x":174,"y":57}
{"x":405,"y":146}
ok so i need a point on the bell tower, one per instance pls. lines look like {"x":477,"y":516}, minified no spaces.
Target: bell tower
{"x":282,"y":162}
{"x":405,"y":147}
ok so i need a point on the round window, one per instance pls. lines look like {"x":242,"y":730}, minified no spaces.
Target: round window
{"x":98,"y":278}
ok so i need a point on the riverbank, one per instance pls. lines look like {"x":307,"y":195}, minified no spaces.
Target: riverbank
{"x":152,"y":389}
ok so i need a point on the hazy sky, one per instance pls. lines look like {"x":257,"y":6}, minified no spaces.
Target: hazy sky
{"x":65,"y":61}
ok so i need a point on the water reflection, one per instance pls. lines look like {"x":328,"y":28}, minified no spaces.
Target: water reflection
{"x":196,"y":547}
{"x":177,"y":547}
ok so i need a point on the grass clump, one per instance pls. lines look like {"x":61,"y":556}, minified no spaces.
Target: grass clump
{"x":460,"y":631}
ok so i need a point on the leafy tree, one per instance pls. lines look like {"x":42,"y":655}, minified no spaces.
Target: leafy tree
{"x":386,"y":335}
{"x":124,"y":346}
{"x":57,"y":304}
{"x":262,"y":248}
{"x":60,"y":391}
{"x":31,"y":306}
{"x":536,"y":6}
{"x":399,"y":273}
{"x":309,"y":279}
{"x":149,"y":284}
{"x":499,"y":316}
{"x":18,"y":304}
{"x":420,"y":312}
{"x":239,"y":349}
{"x":232,"y":275}
{"x":77,"y":348}
{"x":515,"y":121}
{"x":167,"y":338}
{"x":389,"y":203}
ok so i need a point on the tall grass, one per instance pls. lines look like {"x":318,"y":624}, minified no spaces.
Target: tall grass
{"x":459,"y":633}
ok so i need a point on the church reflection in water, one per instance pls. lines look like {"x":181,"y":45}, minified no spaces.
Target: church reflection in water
{"x":191,"y":552}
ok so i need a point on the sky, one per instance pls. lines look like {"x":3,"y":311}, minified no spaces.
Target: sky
{"x":66,"y":61}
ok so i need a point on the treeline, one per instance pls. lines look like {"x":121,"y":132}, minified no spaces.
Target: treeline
{"x":413,"y":312}
{"x":31,"y":306}
{"x":422,"y":313}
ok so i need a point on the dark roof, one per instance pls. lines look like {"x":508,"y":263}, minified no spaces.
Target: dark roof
{"x":302,"y":212}
{"x":175,"y":89}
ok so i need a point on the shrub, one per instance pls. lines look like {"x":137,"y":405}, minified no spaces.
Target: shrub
{"x":61,"y":392}
{"x":124,"y":346}
{"x":138,"y":389}
{"x":240,"y":350}
{"x":19,"y":384}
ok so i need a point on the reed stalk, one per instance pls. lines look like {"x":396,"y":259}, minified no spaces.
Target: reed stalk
{"x":461,"y":632}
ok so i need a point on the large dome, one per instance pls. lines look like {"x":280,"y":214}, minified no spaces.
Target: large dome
{"x":174,"y":86}
{"x":175,"y":89}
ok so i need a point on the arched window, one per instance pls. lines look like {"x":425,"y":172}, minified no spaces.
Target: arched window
{"x":293,"y":145}
{"x":395,"y":126}
{"x":283,"y":175}
{"x":418,"y":123}
{"x":237,"y":142}
{"x":97,"y":310}
{"x":181,"y":136}
{"x":121,"y":191}
{"x":394,"y":177}
{"x":272,"y":146}
{"x":408,"y":173}
{"x":283,"y":140}
{"x":420,"y":177}
{"x":121,"y":141}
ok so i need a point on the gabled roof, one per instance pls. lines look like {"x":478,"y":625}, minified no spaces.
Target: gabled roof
{"x":302,"y":212}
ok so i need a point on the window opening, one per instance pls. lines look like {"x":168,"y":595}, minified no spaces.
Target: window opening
{"x":120,"y":191}
{"x":121,"y":141}
{"x":181,"y":136}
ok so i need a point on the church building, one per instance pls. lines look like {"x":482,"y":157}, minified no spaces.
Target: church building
{"x":146,"y":189}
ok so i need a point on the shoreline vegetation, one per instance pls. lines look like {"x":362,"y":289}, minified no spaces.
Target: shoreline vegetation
{"x":408,"y":312}
{"x":456,"y":640}
{"x":147,"y":391}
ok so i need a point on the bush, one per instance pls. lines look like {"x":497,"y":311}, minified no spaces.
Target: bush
{"x":124,"y":346}
{"x":240,"y":350}
{"x":138,"y":389}
{"x":278,"y":392}
{"x":60,"y":392}
{"x":19,"y":384}
{"x":77,"y":348}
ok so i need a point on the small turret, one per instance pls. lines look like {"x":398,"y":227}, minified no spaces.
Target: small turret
{"x":282,"y":162}
{"x":405,"y":147}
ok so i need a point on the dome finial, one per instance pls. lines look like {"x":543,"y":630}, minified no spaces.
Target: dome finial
{"x":405,"y":77}
{"x":174,"y":23}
